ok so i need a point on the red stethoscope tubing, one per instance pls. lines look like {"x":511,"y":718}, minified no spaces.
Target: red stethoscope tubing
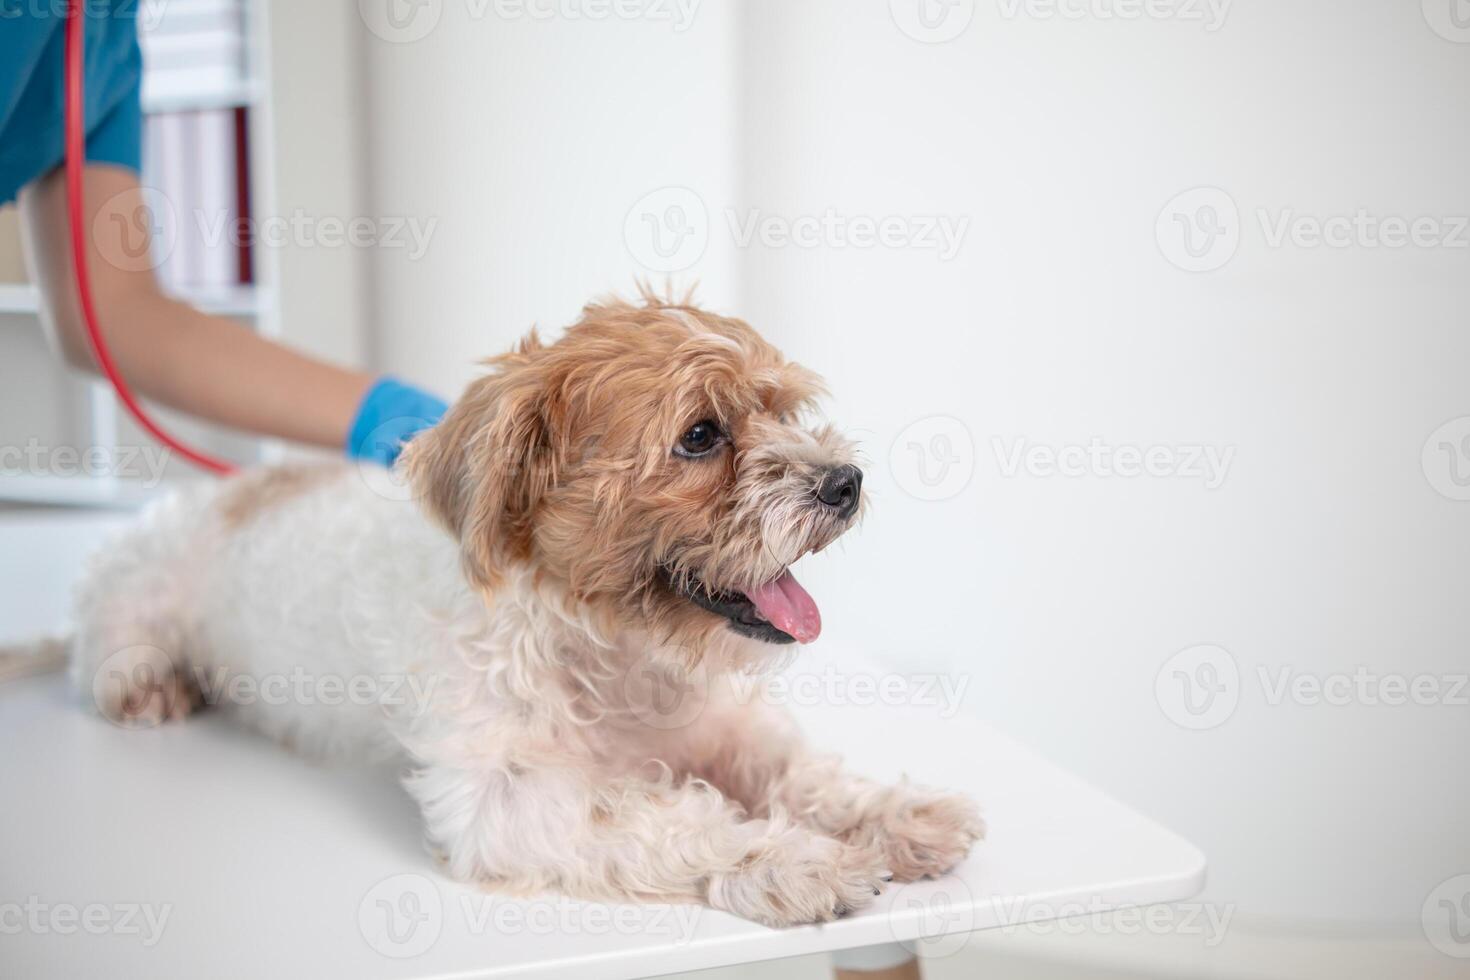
{"x":76,"y":158}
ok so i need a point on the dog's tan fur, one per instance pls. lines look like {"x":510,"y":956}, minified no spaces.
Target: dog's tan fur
{"x":259,"y":491}
{"x":561,"y":457}
{"x":560,"y":597}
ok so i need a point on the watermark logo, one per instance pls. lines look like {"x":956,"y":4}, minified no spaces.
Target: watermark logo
{"x":302,"y":229}
{"x":943,"y":693}
{"x":1093,"y":916}
{"x":563,"y":916}
{"x":665,"y":694}
{"x":667,"y":230}
{"x":932,"y":21}
{"x":1446,"y":917}
{"x":136,"y":230}
{"x":401,"y":916}
{"x":1362,"y":686}
{"x":389,"y":482}
{"x":931,"y":919}
{"x":1210,"y":14}
{"x":143,"y":465}
{"x":36,"y":917}
{"x":140,"y":686}
{"x":1199,"y":229}
{"x":1207,"y":464}
{"x":942,"y":234}
{"x":1198,"y":688}
{"x":1450,"y":19}
{"x":933,"y":459}
{"x":400,"y":21}
{"x":1446,"y":459}
{"x":151,"y":14}
{"x":136,"y":687}
{"x":679,"y":13}
{"x":1361,"y":229}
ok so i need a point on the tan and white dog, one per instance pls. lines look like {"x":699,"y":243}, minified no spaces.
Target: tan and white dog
{"x":594,"y":518}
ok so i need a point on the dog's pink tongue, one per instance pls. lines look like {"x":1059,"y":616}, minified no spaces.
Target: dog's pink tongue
{"x":788,"y":607}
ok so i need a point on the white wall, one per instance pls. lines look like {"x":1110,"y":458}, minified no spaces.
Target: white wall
{"x":526,"y":141}
{"x":1060,"y":320}
{"x":1059,"y":140}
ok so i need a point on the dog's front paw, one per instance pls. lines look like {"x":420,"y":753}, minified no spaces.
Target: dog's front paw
{"x":923,"y":833}
{"x":812,"y":879}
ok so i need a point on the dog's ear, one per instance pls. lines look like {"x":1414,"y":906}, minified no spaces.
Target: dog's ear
{"x":483,"y":469}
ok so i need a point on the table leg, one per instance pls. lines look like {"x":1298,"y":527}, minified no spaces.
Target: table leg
{"x":890,"y":961}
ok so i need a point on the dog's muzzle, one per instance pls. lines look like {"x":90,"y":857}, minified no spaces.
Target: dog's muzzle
{"x":735,"y":607}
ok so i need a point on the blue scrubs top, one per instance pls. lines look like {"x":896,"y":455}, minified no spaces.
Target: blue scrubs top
{"x":31,"y":88}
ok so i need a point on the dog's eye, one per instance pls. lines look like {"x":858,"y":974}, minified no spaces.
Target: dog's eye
{"x":701,"y":440}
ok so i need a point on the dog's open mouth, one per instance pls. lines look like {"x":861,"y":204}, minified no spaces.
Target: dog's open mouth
{"x":780,"y":611}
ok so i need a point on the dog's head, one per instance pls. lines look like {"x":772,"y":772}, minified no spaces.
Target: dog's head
{"x":657,"y":462}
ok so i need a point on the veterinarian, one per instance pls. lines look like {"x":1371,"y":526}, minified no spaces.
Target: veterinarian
{"x":208,"y":366}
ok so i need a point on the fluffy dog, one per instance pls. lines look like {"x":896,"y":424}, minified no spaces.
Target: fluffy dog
{"x":600,"y":530}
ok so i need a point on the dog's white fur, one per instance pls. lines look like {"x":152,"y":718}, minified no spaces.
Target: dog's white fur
{"x":522,"y":706}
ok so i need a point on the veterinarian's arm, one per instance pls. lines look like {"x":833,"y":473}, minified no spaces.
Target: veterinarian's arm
{"x":205,"y":365}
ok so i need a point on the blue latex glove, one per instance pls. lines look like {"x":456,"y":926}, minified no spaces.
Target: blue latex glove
{"x":390,"y":413}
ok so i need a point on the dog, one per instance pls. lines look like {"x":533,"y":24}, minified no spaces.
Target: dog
{"x":595,"y":525}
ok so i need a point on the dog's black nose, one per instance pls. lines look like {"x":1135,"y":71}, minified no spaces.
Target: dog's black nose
{"x":839,"y":489}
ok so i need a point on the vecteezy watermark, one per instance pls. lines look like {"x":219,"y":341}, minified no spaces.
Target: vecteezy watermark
{"x":404,"y":915}
{"x":562,"y":916}
{"x":1362,"y":229}
{"x":1200,"y":230}
{"x":144,"y":464}
{"x":677,"y":13}
{"x":1446,"y":459}
{"x":303,"y":230}
{"x":138,"y":687}
{"x":942,"y":692}
{"x":665,"y":694}
{"x":1200,"y":687}
{"x":931,"y":919}
{"x":933,"y":458}
{"x":406,"y":21}
{"x":145,"y":13}
{"x":401,"y":916}
{"x":139,"y":228}
{"x":34,"y":916}
{"x":1362,"y":686}
{"x":1210,"y":14}
{"x":1208,"y":464}
{"x":136,"y":230}
{"x":669,"y":229}
{"x":939,"y":233}
{"x":932,"y":21}
{"x":1093,"y":916}
{"x":1450,"y":19}
{"x":400,"y":21}
{"x":1446,"y":917}
{"x":389,"y":482}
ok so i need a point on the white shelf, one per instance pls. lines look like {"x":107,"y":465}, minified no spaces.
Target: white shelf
{"x":180,"y":95}
{"x":242,"y":300}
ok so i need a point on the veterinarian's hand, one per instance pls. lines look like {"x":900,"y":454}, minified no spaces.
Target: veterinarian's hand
{"x":390,"y":413}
